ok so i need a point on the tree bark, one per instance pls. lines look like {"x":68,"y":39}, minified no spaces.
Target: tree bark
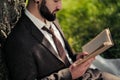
{"x":10,"y":11}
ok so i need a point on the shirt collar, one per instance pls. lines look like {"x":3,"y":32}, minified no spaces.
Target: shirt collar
{"x":39,"y":24}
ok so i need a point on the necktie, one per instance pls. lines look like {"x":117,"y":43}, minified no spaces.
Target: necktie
{"x":58,"y":45}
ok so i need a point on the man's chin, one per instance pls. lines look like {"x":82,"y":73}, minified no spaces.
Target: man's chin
{"x":52,"y":18}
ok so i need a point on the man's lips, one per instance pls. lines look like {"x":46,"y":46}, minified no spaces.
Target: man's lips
{"x":55,"y":11}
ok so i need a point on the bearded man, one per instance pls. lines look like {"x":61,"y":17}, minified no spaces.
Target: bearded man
{"x":36,"y":48}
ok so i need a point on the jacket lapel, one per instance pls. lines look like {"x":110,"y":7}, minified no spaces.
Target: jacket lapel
{"x":41,"y":38}
{"x":37,"y":34}
{"x":46,"y":43}
{"x":58,"y":27}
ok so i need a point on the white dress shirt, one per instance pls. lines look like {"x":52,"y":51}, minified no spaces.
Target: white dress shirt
{"x":39,"y":24}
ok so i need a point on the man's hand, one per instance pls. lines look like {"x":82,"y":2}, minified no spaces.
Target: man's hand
{"x":78,"y":70}
{"x":81,"y":55}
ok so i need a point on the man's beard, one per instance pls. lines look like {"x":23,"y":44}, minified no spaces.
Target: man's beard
{"x":45,"y":12}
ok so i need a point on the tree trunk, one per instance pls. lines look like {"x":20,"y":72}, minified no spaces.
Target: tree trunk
{"x":10,"y":11}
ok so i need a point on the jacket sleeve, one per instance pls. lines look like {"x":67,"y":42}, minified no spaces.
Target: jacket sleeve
{"x":63,"y":74}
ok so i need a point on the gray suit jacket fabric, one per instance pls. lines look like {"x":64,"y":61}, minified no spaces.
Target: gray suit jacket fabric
{"x":29,"y":55}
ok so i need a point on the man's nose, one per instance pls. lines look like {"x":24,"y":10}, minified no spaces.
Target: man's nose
{"x":59,"y":5}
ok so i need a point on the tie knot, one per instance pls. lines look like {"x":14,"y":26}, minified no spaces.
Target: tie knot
{"x":50,"y":30}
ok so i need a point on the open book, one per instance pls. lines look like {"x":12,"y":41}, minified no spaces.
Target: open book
{"x":96,"y":46}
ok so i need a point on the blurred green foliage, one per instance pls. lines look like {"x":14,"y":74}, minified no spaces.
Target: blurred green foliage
{"x":82,"y":20}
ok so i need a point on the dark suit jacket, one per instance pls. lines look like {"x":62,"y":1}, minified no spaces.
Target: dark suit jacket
{"x":29,"y":56}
